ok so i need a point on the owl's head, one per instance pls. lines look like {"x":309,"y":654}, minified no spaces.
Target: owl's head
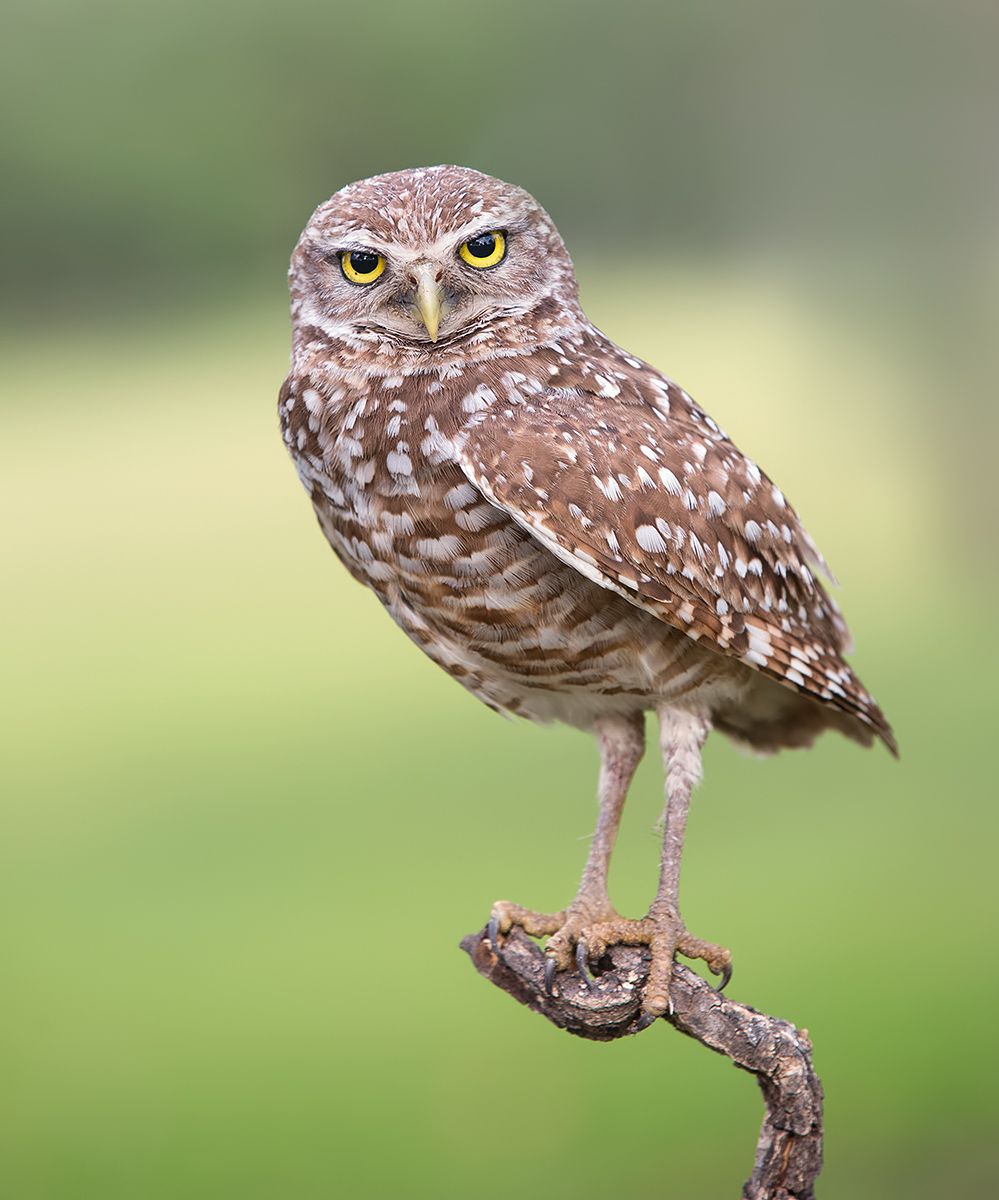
{"x":426,"y":259}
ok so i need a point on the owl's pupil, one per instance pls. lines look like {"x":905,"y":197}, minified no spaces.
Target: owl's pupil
{"x":363,"y":262}
{"x":482,"y":247}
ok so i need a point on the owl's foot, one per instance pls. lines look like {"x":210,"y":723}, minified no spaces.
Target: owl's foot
{"x":664,"y":934}
{"x":584,"y":932}
{"x":564,"y":929}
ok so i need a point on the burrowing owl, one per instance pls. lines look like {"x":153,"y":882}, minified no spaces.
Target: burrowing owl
{"x":557,"y":524}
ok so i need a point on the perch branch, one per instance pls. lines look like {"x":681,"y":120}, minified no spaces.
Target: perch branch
{"x":789,"y":1149}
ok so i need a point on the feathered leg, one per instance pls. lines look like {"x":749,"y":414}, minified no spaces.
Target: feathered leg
{"x":621,"y":741}
{"x":583,"y":932}
{"x":681,"y":736}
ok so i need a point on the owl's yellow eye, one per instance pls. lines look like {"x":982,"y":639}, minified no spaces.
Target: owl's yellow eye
{"x":361,"y":266}
{"x":484,"y":251}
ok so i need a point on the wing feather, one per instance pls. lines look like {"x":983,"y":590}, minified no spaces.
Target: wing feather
{"x":641,"y":492}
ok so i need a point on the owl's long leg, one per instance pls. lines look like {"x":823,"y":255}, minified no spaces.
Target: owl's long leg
{"x":590,"y":925}
{"x":682,"y":735}
{"x":621,"y":741}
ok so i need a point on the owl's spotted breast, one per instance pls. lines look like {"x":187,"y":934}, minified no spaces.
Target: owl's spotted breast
{"x":518,"y":627}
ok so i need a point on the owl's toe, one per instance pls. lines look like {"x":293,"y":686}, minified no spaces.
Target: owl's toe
{"x":505,"y":915}
{"x":717,"y":958}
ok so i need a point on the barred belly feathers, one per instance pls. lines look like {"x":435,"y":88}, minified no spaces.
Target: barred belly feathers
{"x":554,"y":522}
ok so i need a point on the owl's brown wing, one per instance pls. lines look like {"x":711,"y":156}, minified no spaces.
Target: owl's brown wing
{"x":644,"y":494}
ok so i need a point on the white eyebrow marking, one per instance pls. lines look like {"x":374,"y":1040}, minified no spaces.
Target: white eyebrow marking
{"x":444,"y":246}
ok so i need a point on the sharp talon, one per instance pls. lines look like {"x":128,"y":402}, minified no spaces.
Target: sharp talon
{"x":550,"y":977}
{"x":583,"y":962}
{"x":644,"y":1021}
{"x":726,"y":975}
{"x":492,"y":933}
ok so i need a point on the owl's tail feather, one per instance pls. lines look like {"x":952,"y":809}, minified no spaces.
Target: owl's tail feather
{"x":774,"y":718}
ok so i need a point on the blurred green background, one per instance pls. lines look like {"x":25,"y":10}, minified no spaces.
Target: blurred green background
{"x":245,"y":823}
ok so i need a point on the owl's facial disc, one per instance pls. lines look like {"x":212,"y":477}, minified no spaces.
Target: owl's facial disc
{"x":421,"y":261}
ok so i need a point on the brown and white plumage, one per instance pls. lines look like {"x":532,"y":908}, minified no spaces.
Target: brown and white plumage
{"x":553,"y":521}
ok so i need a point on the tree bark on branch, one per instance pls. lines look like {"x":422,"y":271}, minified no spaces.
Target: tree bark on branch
{"x":789,"y":1149}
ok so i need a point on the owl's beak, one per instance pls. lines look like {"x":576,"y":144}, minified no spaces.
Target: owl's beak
{"x":429,"y":300}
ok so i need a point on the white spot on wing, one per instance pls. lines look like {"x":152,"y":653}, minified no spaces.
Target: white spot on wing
{"x":649,"y":538}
